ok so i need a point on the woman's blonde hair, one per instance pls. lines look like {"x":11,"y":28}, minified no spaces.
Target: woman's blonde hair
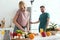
{"x":21,"y":3}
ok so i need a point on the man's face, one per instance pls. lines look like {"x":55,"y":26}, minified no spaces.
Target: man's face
{"x":42,"y":9}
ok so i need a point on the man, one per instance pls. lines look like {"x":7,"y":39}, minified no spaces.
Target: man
{"x":43,"y":19}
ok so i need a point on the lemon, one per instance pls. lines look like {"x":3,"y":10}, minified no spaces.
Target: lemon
{"x":2,"y":32}
{"x":41,"y":30}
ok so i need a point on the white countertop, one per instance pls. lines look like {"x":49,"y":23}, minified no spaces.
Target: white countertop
{"x":6,"y":28}
{"x":54,"y":37}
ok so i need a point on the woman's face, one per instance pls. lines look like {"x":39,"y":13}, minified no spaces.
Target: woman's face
{"x":22,"y":6}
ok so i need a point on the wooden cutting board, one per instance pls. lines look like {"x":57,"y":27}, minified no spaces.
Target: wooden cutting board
{"x":22,"y":39}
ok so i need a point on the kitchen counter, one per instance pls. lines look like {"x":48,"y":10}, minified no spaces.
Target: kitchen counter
{"x":53,"y":37}
{"x":6,"y":28}
{"x":38,"y":37}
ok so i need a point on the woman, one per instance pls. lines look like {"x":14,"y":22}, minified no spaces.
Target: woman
{"x":21,"y":19}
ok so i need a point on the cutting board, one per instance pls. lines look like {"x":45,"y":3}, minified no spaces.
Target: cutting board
{"x":22,"y":39}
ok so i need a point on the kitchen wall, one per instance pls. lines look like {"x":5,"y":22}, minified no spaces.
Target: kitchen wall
{"x":8,"y":10}
{"x":52,"y":7}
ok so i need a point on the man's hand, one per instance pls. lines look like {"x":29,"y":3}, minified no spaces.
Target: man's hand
{"x":34,"y":22}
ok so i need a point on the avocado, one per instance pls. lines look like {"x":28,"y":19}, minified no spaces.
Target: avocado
{"x":19,"y":31}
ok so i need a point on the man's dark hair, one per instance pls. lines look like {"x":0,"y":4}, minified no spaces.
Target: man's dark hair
{"x":42,"y":6}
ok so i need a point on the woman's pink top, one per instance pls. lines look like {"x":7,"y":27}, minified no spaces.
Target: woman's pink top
{"x":23,"y":17}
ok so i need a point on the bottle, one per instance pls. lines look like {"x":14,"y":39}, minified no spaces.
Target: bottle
{"x":0,"y":25}
{"x":3,"y":23}
{"x":41,"y":30}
